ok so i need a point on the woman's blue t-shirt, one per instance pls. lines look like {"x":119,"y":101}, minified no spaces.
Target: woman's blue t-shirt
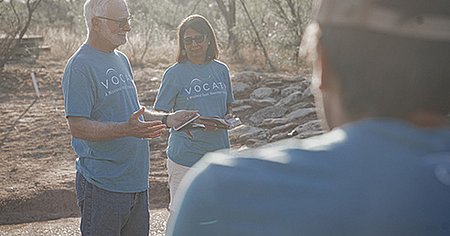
{"x":202,"y":87}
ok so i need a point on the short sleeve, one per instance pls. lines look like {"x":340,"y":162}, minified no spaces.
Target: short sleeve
{"x":79,"y":93}
{"x":167,"y":93}
{"x":230,"y":95}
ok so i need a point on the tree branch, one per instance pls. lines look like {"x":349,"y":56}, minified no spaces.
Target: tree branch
{"x":195,"y":7}
{"x":11,"y":3}
{"x":272,"y":67}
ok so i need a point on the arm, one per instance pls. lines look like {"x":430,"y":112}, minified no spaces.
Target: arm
{"x":229,"y":113}
{"x":151,"y":114}
{"x":173,"y":119}
{"x":83,"y":128}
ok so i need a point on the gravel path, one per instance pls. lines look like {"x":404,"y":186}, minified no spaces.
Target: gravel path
{"x":69,"y":226}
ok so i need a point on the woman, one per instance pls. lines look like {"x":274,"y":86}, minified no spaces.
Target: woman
{"x":197,"y":81}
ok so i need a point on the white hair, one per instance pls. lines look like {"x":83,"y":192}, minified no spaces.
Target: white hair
{"x":95,"y":8}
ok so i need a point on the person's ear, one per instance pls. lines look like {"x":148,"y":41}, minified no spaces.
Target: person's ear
{"x":329,"y":99}
{"x":318,"y":68}
{"x":95,"y":23}
{"x":327,"y":76}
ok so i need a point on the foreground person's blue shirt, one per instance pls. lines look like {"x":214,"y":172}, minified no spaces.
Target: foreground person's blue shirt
{"x":99,"y":86}
{"x":374,"y":177}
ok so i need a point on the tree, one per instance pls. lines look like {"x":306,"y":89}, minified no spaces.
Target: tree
{"x":229,"y":14}
{"x":15,"y":26}
{"x":295,"y":14}
{"x":258,"y":37}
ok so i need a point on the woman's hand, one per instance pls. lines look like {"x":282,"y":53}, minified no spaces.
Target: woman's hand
{"x":179,"y":117}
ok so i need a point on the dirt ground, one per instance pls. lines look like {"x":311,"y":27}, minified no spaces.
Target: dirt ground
{"x":37,"y":164}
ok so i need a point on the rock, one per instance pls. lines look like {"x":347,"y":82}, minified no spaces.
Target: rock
{"x":301,"y":105}
{"x":270,"y":123}
{"x":293,"y":98}
{"x":240,"y":89}
{"x":308,"y":129}
{"x":285,"y":129}
{"x":241,"y":108}
{"x":279,"y":136}
{"x":308,"y":92}
{"x":249,"y":77}
{"x":260,"y":103}
{"x":275,"y":84}
{"x":268,"y":112}
{"x":245,"y":132}
{"x":261,"y":93}
{"x":300,"y":113}
{"x":300,"y":79}
{"x":290,"y":89}
{"x":241,"y":102}
{"x":253,"y":143}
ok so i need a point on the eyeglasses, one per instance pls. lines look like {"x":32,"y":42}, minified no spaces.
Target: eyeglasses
{"x":122,"y":23}
{"x":197,"y":38}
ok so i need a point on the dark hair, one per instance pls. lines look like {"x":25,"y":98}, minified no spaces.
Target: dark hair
{"x":384,"y":75}
{"x":201,"y":25}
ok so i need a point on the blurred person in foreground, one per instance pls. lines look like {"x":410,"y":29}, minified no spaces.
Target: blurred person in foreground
{"x":106,"y":122}
{"x":382,"y":79}
{"x":197,"y":81}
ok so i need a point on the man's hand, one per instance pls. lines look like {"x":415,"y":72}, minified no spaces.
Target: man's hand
{"x":179,"y":117}
{"x":144,"y":129}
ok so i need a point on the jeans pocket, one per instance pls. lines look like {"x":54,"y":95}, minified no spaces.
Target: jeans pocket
{"x":80,"y":183}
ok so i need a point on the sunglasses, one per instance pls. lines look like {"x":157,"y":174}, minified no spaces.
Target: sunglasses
{"x":197,"y":38}
{"x":122,"y":23}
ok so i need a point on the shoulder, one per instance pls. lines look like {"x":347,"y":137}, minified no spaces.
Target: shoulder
{"x":218,"y":176}
{"x":272,"y":157}
{"x":174,"y":71}
{"x":220,"y":64}
{"x":122,"y":55}
{"x":175,"y":68}
{"x":79,"y":59}
{"x":77,"y":65}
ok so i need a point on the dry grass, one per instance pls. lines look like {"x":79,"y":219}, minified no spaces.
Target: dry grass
{"x":63,"y":42}
{"x":157,"y":50}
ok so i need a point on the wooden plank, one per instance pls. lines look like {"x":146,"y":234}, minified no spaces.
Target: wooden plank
{"x":44,"y":48}
{"x":28,"y":49}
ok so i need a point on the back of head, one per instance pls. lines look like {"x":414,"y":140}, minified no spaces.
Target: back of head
{"x":391,"y":56}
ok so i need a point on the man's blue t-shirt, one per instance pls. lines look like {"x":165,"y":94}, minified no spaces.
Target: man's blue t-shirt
{"x":202,"y":87}
{"x":99,"y":86}
{"x":373,"y":177}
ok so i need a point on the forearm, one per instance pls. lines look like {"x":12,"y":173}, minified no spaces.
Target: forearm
{"x":172,"y":119}
{"x":90,"y":130}
{"x":151,"y":115}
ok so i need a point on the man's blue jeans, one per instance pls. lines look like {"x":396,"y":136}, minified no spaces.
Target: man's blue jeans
{"x":110,"y":213}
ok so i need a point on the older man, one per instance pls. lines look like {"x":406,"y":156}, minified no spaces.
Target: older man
{"x":382,"y":75}
{"x":105,"y":120}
